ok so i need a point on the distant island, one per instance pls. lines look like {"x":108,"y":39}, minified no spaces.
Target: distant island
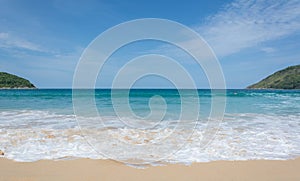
{"x":9,"y":81}
{"x":288,"y":78}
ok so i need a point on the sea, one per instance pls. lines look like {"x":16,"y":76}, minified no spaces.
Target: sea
{"x":146,"y":126}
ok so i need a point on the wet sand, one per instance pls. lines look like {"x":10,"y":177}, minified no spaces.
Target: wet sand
{"x":86,"y":169}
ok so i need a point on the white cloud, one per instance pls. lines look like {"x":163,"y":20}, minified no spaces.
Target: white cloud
{"x":244,"y":24}
{"x":3,"y":35}
{"x":248,"y":23}
{"x":9,"y":41}
{"x":268,"y":49}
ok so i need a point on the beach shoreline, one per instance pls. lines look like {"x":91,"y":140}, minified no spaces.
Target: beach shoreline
{"x":88,"y":169}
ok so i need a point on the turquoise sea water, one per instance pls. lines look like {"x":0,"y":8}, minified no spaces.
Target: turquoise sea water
{"x":257,"y":124}
{"x":278,"y":102}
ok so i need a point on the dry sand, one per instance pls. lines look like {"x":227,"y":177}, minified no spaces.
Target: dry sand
{"x":86,"y":169}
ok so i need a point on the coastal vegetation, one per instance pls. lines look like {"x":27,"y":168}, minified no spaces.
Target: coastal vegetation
{"x":9,"y":81}
{"x":288,"y":78}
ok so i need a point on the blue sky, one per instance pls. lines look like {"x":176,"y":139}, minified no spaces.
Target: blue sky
{"x":43,"y":40}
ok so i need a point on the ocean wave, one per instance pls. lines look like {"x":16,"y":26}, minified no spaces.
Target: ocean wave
{"x":29,"y":135}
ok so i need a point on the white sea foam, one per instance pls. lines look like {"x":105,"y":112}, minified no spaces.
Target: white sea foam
{"x":34,"y":135}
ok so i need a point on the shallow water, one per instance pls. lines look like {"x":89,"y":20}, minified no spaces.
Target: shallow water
{"x":257,"y":124}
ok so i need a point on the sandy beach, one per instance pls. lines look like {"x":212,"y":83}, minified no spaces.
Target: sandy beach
{"x":86,"y":169}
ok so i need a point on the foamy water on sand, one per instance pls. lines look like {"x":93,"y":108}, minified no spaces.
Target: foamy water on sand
{"x":39,"y":124}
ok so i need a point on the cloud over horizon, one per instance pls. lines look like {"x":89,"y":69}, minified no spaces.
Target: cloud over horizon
{"x":7,"y":40}
{"x":245,"y":24}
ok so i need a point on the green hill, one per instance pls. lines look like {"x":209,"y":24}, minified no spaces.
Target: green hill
{"x":12,"y":81}
{"x":288,"y":78}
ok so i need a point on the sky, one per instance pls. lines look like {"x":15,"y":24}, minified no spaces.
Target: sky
{"x":44,"y":40}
